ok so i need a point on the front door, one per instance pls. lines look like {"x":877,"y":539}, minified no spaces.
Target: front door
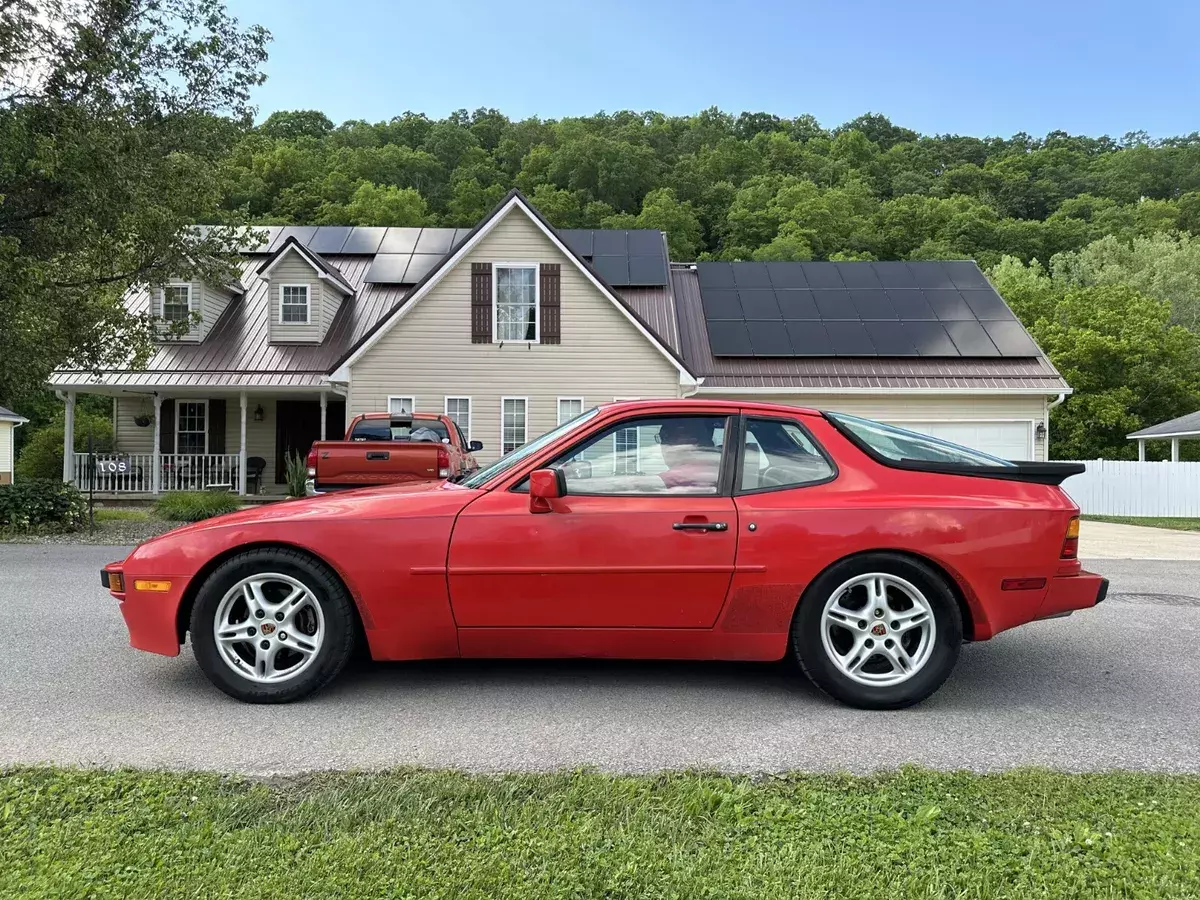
{"x":645,"y":537}
{"x":298,"y":425}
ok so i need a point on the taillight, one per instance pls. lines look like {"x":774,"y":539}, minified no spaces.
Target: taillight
{"x":443,"y":462}
{"x":1070,"y":547}
{"x":311,"y":462}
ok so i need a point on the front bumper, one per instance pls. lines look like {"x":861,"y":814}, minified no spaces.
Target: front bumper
{"x":149,"y":616}
{"x":1068,"y":593}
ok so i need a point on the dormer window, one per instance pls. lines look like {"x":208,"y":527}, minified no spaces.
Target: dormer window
{"x":293,"y":304}
{"x":515,"y":301}
{"x":177,"y":303}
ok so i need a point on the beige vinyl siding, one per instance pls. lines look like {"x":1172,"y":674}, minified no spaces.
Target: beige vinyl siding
{"x":6,"y":451}
{"x":260,"y":436}
{"x":428,"y":354}
{"x":130,"y":438}
{"x":293,"y":269}
{"x":330,"y":301}
{"x":214,"y":302}
{"x":899,"y":409}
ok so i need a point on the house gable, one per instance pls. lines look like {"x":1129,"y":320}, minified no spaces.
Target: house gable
{"x":304,"y":295}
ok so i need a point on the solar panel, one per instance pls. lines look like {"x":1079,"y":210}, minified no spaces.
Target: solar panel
{"x":751,"y":275}
{"x":645,"y":242}
{"x":460,"y":235}
{"x":856,"y":275}
{"x":330,"y":238}
{"x":420,"y":266}
{"x":949,"y":305}
{"x":809,"y":339}
{"x":364,"y":239}
{"x":769,"y":339}
{"x":435,"y":240}
{"x":613,"y":269}
{"x":971,"y":339}
{"x":797,"y":304}
{"x":759,"y":303}
{"x":910,"y":305}
{"x":648,"y":270}
{"x":890,"y":339}
{"x":931,"y":275}
{"x":894,"y":275}
{"x":578,"y":239}
{"x":850,"y":339}
{"x":610,"y":243}
{"x":873,"y":305}
{"x":835,"y":305}
{"x":388,"y":268}
{"x":302,"y":233}
{"x":267,"y":232}
{"x":729,"y":338}
{"x":1010,"y":338}
{"x":987,"y":305}
{"x":721,"y":303}
{"x":822,"y":275}
{"x":787,"y":274}
{"x":965,"y":275}
{"x":714,"y":274}
{"x":930,"y":339}
{"x":400,"y":240}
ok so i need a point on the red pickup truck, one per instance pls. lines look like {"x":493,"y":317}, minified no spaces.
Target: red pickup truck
{"x":383,"y":448}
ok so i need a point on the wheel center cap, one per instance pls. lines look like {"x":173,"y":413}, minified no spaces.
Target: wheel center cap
{"x":267,"y":628}
{"x":879,"y":630}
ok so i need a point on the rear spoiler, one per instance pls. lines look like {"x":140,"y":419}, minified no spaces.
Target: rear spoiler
{"x":1032,"y":472}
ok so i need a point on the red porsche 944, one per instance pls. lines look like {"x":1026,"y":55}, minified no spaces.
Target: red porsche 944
{"x":667,"y":529}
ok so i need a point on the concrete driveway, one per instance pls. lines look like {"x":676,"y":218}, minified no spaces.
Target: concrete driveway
{"x":1111,"y":687}
{"x":1108,"y":540}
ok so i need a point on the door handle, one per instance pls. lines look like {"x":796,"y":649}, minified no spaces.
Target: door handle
{"x":378,"y":454}
{"x":700,"y":526}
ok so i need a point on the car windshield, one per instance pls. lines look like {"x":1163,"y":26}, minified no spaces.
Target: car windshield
{"x":506,"y":462}
{"x":898,"y":444}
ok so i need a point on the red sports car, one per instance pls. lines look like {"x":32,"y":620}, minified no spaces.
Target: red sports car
{"x":658,"y":529}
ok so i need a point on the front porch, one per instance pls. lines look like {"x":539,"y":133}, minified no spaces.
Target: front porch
{"x":190,"y":440}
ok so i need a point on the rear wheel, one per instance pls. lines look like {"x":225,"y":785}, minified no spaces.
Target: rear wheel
{"x":879,"y":631}
{"x":271,"y":626}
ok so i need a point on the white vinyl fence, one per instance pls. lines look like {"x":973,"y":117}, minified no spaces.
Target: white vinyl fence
{"x":1118,"y":487}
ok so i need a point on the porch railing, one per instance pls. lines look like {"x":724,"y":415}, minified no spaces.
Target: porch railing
{"x":133,"y":473}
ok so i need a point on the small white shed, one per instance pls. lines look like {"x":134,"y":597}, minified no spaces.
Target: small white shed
{"x":9,"y":422}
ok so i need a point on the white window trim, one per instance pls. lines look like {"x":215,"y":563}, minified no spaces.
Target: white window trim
{"x":503,"y":400}
{"x":558,"y":406}
{"x":412,"y":405}
{"x":307,"y":304}
{"x":470,"y":411}
{"x":190,"y":304}
{"x":178,"y":403}
{"x":537,"y":303}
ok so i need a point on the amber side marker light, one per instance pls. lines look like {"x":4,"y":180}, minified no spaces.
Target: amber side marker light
{"x":116,"y":582}
{"x":1022,"y":584}
{"x":1070,"y":547}
{"x":155,"y":587}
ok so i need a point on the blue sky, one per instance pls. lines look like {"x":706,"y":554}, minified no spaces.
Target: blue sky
{"x":966,"y":67}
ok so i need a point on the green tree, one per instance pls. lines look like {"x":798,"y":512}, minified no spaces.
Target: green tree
{"x":662,"y":210}
{"x":374,"y":204}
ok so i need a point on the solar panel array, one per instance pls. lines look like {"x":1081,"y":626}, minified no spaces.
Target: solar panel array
{"x":793,"y":309}
{"x":637,"y":257}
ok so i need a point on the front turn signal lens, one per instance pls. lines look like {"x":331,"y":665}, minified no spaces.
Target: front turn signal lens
{"x":1070,"y":547}
{"x":116,"y":582}
{"x":153,"y":587}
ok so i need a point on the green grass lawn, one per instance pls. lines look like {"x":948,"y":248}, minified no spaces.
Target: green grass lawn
{"x":1030,"y":834}
{"x":1179,"y":524}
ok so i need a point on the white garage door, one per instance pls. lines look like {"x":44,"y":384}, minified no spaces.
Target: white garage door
{"x":1007,"y":440}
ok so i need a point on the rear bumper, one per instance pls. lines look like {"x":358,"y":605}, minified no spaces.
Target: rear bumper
{"x":1068,"y":593}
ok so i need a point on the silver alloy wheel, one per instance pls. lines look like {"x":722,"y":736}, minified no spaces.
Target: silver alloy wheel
{"x":878,"y":629}
{"x":269,"y":628}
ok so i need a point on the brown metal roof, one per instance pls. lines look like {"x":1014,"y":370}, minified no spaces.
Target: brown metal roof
{"x":993,"y":373}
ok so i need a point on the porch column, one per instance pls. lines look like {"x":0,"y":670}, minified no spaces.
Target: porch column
{"x":69,"y":440}
{"x":156,"y":459}
{"x":242,"y":451}
{"x":1174,"y":449}
{"x":1141,"y":449}
{"x":322,"y":437}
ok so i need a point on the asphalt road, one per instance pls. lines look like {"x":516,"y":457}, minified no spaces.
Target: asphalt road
{"x":1115,"y":687}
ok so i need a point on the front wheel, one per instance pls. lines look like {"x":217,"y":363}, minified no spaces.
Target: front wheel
{"x":271,"y":626}
{"x":879,"y":631}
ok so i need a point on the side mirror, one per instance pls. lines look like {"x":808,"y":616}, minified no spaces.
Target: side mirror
{"x":474,"y":446}
{"x":546,"y":485}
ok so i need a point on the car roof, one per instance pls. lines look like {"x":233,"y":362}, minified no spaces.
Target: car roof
{"x":714,"y":405}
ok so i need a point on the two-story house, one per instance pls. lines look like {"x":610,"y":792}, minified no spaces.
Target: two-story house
{"x":513,"y":326}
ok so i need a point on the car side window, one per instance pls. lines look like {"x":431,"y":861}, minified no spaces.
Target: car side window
{"x":778,"y":453}
{"x":667,"y":455}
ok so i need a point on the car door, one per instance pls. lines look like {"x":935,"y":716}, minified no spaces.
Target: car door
{"x":645,"y":536}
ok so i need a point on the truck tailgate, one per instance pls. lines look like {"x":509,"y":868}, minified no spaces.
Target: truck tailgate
{"x":343,"y":464}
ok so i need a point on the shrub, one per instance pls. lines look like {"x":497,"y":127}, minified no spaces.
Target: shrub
{"x":42,"y":455}
{"x":192,"y":506}
{"x":41,"y":504}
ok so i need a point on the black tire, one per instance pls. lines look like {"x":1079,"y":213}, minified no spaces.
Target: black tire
{"x":809,"y":650}
{"x":337,"y":608}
